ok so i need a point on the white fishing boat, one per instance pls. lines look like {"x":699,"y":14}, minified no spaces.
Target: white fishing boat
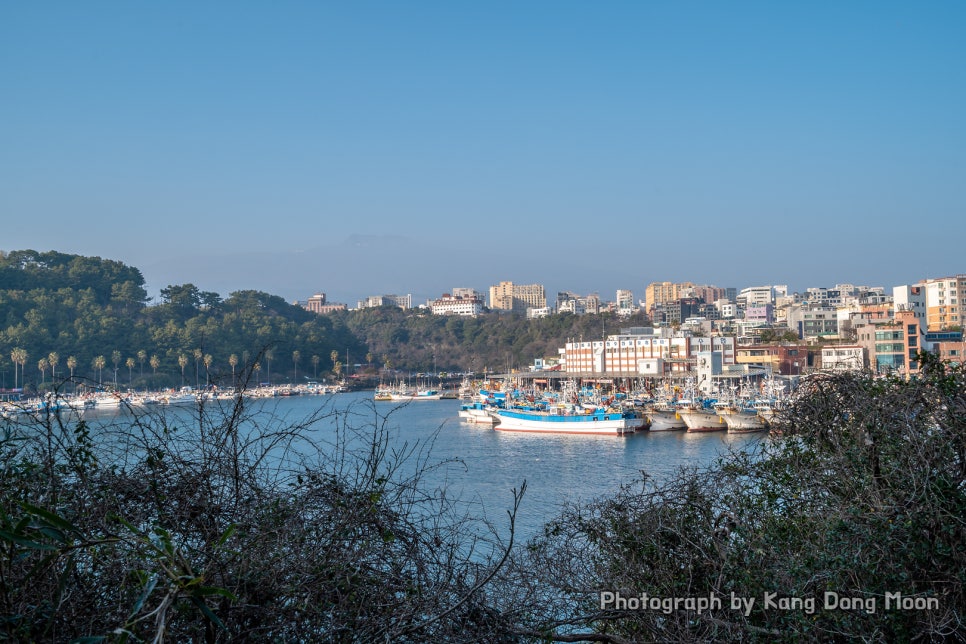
{"x":742,"y":419}
{"x":664,"y":418}
{"x":702,"y":419}
{"x":420,"y":394}
{"x":568,"y":419}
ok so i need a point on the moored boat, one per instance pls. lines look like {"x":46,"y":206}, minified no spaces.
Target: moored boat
{"x":664,"y":418}
{"x":742,"y":420}
{"x":568,"y":420}
{"x":476,"y":413}
{"x":701,"y":419}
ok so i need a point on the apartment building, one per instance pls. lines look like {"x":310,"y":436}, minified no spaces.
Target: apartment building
{"x":945,"y":302}
{"x":507,"y":296}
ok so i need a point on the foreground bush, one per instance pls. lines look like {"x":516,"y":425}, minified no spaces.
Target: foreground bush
{"x":223,"y":523}
{"x":849,"y":523}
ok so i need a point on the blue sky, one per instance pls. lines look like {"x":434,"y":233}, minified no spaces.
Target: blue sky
{"x":412,"y":147}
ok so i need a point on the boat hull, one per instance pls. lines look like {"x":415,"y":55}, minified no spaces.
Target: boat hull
{"x":665,"y":421}
{"x":701,"y":420}
{"x":476,"y":415}
{"x":606,"y":423}
{"x":741,"y":422}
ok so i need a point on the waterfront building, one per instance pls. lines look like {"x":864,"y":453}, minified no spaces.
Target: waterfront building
{"x":643,"y":352}
{"x":785,"y":359}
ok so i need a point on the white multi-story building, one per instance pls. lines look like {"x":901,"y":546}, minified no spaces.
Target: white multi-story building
{"x":756,"y":296}
{"x":373,"y":301}
{"x":457,"y":305}
{"x":625,"y":302}
{"x":643,"y":352}
{"x":910,"y":297}
{"x":843,"y":358}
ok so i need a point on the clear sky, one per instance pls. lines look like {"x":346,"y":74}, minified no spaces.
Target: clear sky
{"x":362,"y":148}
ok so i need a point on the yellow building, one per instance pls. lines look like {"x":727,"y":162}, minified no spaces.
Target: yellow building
{"x":945,"y":302}
{"x":507,"y":296}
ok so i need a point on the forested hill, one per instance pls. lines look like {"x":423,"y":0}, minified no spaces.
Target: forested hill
{"x":64,"y":314}
{"x":88,"y":317}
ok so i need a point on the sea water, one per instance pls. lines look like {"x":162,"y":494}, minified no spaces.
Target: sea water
{"x":477,"y":464}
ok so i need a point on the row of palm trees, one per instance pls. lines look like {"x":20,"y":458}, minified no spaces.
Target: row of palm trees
{"x":19,"y":357}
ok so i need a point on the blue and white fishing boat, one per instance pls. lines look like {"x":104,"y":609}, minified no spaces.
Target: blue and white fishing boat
{"x":568,"y":419}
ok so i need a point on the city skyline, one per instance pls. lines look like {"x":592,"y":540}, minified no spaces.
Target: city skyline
{"x":412,"y":148}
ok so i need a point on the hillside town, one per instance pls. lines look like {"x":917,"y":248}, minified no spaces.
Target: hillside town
{"x":711,"y":331}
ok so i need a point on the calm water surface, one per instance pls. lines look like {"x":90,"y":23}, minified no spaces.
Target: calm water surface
{"x":489,"y":464}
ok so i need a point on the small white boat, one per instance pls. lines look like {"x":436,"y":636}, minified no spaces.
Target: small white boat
{"x":477,"y":414}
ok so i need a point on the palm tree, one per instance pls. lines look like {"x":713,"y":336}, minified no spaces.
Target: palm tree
{"x":233,"y":361}
{"x":42,"y":365}
{"x":71,"y":364}
{"x":296,"y":356}
{"x":19,"y":357}
{"x":369,"y":359}
{"x":142,"y":356}
{"x":155,"y":362}
{"x":53,"y":359}
{"x":257,"y":368}
{"x":198,"y":356}
{"x":207,"y":360}
{"x":334,"y":357}
{"x":315,"y":367}
{"x":116,"y":359}
{"x":268,"y":360}
{"x":99,"y":363}
{"x":130,"y":362}
{"x":182,"y":362}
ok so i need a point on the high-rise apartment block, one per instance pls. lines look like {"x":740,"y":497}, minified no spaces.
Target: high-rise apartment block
{"x":945,"y":302}
{"x":507,"y":296}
